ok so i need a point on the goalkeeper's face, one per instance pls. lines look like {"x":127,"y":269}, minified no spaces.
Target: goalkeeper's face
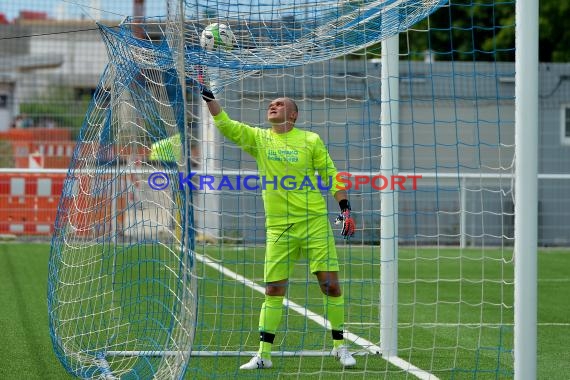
{"x":282,"y":110}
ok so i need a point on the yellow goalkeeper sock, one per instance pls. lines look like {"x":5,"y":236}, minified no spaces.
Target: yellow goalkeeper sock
{"x":269,"y":320}
{"x":334,"y":312}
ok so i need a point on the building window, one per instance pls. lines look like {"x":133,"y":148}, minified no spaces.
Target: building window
{"x":565,"y":125}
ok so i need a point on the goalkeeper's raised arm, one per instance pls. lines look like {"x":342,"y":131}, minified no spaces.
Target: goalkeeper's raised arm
{"x":296,"y":218}
{"x":209,"y":98}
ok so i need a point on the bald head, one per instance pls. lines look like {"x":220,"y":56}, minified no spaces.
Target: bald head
{"x":282,"y":111}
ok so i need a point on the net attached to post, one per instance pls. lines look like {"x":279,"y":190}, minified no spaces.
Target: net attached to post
{"x":122,"y":286}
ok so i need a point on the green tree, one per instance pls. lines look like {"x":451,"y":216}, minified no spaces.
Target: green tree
{"x":59,"y":106}
{"x":554,"y":35}
{"x":484,"y":31}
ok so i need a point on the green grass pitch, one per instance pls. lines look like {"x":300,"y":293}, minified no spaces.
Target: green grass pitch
{"x":229,"y":312}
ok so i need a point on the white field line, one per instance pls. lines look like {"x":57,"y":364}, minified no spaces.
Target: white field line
{"x":443,"y":324}
{"x":320,"y":320}
{"x":367,"y":280}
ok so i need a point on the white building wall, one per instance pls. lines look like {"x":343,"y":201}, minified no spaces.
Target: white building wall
{"x":84,"y":58}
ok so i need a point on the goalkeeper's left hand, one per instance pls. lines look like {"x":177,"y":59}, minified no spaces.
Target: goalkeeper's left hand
{"x":207,"y":94}
{"x":348,"y":225}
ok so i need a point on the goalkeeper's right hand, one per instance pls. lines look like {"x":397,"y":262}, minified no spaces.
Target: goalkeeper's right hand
{"x":207,"y":94}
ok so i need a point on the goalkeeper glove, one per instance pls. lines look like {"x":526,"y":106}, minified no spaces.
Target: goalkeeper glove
{"x":207,"y":95}
{"x":348,"y":225}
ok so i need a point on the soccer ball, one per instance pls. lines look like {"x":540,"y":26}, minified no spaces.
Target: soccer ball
{"x":216,"y":36}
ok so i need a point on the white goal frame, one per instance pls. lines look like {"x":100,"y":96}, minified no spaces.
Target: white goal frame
{"x":526,"y":189}
{"x":525,"y":179}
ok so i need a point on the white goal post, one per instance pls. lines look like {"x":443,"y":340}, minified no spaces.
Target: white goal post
{"x":526,"y":186}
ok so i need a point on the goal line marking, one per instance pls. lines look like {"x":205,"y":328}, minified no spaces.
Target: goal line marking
{"x":443,"y":324}
{"x":320,"y":320}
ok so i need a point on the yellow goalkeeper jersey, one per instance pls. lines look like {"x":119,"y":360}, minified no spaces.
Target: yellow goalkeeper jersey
{"x":294,"y":169}
{"x":167,"y":150}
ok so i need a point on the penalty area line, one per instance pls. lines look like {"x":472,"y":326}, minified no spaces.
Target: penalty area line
{"x":319,"y":319}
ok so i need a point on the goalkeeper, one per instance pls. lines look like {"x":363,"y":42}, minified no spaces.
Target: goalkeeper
{"x":296,"y":220}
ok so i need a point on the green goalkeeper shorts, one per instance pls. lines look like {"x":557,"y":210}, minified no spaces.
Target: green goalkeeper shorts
{"x":312,"y":239}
